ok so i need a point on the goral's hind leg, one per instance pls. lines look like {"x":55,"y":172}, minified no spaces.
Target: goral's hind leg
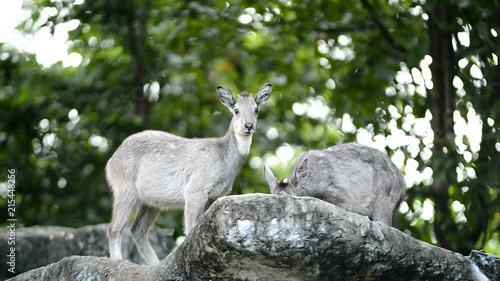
{"x":140,"y":232}
{"x":123,"y":207}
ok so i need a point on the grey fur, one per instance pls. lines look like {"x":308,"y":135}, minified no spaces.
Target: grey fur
{"x":154,"y":170}
{"x":352,"y":176}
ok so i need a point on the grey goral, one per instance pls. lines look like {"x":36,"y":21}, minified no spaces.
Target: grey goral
{"x":355,"y":177}
{"x":154,"y":170}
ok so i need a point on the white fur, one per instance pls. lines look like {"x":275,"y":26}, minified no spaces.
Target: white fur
{"x":244,"y":143}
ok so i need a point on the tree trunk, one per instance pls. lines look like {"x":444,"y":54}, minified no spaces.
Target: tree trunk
{"x":137,"y":31}
{"x":440,"y":102}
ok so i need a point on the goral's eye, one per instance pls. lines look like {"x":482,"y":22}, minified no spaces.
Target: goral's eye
{"x":256,"y":110}
{"x":236,"y":111}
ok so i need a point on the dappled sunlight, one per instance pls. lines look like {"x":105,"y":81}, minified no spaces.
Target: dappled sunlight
{"x":152,"y":91}
{"x":468,"y":136}
{"x":340,"y":50}
{"x":404,"y":208}
{"x":283,"y":156}
{"x":62,"y":182}
{"x":256,"y":162}
{"x":99,"y":142}
{"x":73,"y":59}
{"x":284,"y":153}
{"x":314,"y":108}
{"x":330,"y":84}
{"x":74,"y":118}
{"x":459,"y":210}
{"x":346,"y":125}
{"x":47,"y":42}
{"x":413,"y":133}
{"x":271,"y":160}
{"x":250,"y":16}
{"x":246,"y":18}
{"x":11,"y":15}
{"x":427,"y":212}
{"x":272,"y":133}
{"x":49,"y":140}
{"x":475,"y":72}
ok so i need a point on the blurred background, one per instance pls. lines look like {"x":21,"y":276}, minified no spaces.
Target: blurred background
{"x":418,"y":80}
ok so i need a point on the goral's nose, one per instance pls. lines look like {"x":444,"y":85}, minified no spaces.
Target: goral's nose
{"x":249,"y":126}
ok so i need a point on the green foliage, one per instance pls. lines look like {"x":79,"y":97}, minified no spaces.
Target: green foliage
{"x":155,"y":64}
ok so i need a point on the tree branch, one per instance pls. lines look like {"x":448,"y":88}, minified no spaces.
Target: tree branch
{"x":383,"y":29}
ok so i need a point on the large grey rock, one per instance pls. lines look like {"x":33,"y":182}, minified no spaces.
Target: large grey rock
{"x":41,"y":245}
{"x":268,"y":237}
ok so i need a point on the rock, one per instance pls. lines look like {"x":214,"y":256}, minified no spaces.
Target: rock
{"x":269,"y":237}
{"x":486,"y":263}
{"x":41,"y":245}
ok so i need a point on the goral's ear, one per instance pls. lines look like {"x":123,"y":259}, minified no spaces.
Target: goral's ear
{"x":302,"y":169}
{"x":263,"y":94}
{"x":271,"y":179}
{"x":226,"y":97}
